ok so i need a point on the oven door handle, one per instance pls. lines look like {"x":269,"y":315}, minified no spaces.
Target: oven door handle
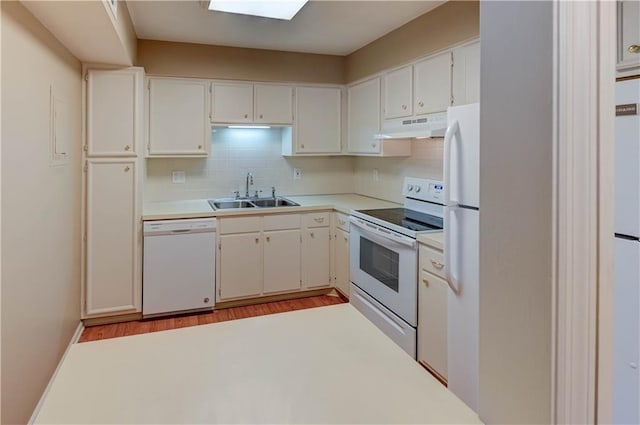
{"x":383,"y":236}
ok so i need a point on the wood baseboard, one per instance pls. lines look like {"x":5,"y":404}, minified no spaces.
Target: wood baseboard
{"x":435,"y":374}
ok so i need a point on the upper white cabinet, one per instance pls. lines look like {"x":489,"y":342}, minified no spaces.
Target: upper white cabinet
{"x":317,"y":128}
{"x":466,"y":74}
{"x":398,"y":93}
{"x":114,"y":109}
{"x":245,"y":103}
{"x":628,"y":55}
{"x":273,"y":104}
{"x":232,"y":102}
{"x":364,"y":117}
{"x":433,"y":84}
{"x":178,"y":117}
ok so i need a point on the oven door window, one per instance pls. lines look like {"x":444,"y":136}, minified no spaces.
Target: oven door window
{"x":380,"y":263}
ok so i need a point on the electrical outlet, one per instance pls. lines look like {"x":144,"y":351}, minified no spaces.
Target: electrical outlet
{"x":376,"y":175}
{"x":297,"y":173}
{"x":178,"y":177}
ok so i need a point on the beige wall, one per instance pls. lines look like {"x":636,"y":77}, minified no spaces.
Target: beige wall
{"x":204,"y":61}
{"x":40,"y":212}
{"x":451,"y":23}
{"x":124,"y":28}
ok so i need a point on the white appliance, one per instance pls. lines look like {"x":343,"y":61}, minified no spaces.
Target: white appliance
{"x":626,"y":353}
{"x":426,"y":126}
{"x":384,"y":259}
{"x":461,"y":257}
{"x":178,"y":266}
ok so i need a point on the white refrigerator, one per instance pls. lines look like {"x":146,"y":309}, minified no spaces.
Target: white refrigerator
{"x":461,"y":222}
{"x":626,"y":352}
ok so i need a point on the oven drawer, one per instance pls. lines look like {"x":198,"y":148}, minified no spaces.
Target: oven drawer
{"x":432,"y":261}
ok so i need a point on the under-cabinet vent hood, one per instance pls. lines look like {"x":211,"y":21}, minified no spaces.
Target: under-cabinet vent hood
{"x":424,"y":127}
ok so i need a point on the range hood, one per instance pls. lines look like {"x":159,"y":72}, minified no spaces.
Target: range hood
{"x":425,"y":127}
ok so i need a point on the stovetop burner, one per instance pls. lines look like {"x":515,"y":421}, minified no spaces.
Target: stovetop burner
{"x":409,"y":219}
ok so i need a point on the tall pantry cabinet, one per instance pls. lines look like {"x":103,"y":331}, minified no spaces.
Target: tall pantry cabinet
{"x":112,"y":175}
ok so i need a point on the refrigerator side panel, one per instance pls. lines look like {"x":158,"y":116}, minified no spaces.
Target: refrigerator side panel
{"x":463,"y":306}
{"x":626,"y":353}
{"x":465,"y":151}
{"x":627,"y":187}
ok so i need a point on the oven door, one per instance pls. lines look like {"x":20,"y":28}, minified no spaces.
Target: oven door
{"x":384,"y":264}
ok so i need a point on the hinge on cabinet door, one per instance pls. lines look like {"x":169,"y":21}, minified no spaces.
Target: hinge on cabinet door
{"x":86,"y":167}
{"x":85,"y":148}
{"x":86,"y":76}
{"x":219,"y":291}
{"x":219,"y":245}
{"x":84,"y":237}
{"x":451,"y":100}
{"x":148,"y":84}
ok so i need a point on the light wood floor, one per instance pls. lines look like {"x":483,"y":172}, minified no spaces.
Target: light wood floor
{"x":115,"y":330}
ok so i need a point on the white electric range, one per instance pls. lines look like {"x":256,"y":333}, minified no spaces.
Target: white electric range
{"x":384,"y":259}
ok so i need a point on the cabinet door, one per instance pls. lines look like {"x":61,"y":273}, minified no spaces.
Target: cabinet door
{"x":113,"y":284}
{"x":465,"y":85}
{"x":316,"y":265}
{"x":281,"y":261}
{"x":273,"y":104}
{"x":628,"y":34}
{"x":240,"y":265}
{"x":178,"y":122}
{"x":432,"y":323}
{"x":364,"y":116}
{"x":398,"y":93}
{"x":341,"y":260}
{"x":232,"y":103}
{"x":317,"y":126}
{"x":114,"y":112}
{"x":433,"y":84}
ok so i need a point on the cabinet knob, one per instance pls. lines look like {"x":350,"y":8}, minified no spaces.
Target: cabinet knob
{"x":199,"y":146}
{"x":404,"y":107}
{"x":437,"y":264}
{"x":126,"y":169}
{"x":260,"y":116}
{"x":257,"y":240}
{"x":312,"y":234}
{"x":206,"y":300}
{"x":246,"y":115}
{"x":126,"y":148}
{"x":373,"y":145}
{"x":634,"y":48}
{"x":346,"y":239}
{"x":426,"y":282}
{"x":421,"y":104}
{"x":302,"y":146}
{"x":268,"y":238}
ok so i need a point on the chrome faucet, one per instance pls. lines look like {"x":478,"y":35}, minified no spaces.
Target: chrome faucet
{"x":273,"y":192}
{"x":248,"y":182}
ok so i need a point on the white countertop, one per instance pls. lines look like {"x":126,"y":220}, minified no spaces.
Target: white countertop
{"x":200,"y":208}
{"x":322,"y":365}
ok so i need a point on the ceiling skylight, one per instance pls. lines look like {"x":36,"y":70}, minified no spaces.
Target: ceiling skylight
{"x":275,"y":9}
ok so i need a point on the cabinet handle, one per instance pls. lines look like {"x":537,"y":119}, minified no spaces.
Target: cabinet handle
{"x":426,"y":282}
{"x":346,"y":239}
{"x":199,"y":146}
{"x":319,"y":219}
{"x":126,"y":148}
{"x":437,"y":264}
{"x":260,"y":116}
{"x":634,"y":48}
{"x":312,"y":234}
{"x":257,"y":240}
{"x":302,"y":146}
{"x":373,"y":145}
{"x":421,"y":104}
{"x":126,"y":169}
{"x":268,"y":238}
{"x":404,"y":107}
{"x":246,"y":115}
{"x":206,"y":300}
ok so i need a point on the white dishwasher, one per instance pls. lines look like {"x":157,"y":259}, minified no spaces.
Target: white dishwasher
{"x":178,"y":266}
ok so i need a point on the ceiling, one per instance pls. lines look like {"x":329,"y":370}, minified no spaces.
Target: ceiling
{"x":336,"y":27}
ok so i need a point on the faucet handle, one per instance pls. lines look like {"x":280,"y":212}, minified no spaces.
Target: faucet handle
{"x":273,"y":192}
{"x":257,"y":191}
{"x":236,"y":193}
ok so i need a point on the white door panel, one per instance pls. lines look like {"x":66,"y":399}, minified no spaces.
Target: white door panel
{"x":464,"y":187}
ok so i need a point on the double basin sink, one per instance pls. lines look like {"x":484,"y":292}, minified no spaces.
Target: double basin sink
{"x":226,"y":203}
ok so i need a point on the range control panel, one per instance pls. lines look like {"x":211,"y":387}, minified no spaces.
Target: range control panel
{"x":423,"y":189}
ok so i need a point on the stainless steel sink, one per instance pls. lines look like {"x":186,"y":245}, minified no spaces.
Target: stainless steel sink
{"x":227,"y":203}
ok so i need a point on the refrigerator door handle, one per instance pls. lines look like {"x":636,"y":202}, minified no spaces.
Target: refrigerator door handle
{"x":449,"y":136}
{"x":450,"y":277}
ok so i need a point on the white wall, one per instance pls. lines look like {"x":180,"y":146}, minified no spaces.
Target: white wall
{"x":236,"y":152}
{"x":516,"y":196}
{"x":40,"y":211}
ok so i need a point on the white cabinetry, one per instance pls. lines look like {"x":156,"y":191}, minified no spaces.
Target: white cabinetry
{"x":241,"y":265}
{"x":114,"y":111}
{"x":317,"y":128}
{"x":112,"y":173}
{"x":466,"y":74}
{"x":433,"y":84}
{"x":112,"y":260}
{"x":364,"y":117}
{"x":432,"y":312}
{"x":398,"y":93}
{"x":340,"y":253}
{"x":628,"y":55}
{"x":281,"y":261}
{"x":178,"y":117}
{"x":316,"y":250}
{"x":246,"y":103}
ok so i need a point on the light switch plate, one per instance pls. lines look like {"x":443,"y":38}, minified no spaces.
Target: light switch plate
{"x":178,"y":177}
{"x":297,"y":173}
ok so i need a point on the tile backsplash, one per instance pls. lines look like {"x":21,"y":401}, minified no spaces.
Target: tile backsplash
{"x":236,"y":152}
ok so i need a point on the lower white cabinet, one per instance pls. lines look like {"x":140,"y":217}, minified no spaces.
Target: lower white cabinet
{"x":241,"y":273}
{"x":432,"y":312}
{"x":341,"y":260}
{"x":113,"y":238}
{"x":282,"y":261}
{"x":316,"y":260}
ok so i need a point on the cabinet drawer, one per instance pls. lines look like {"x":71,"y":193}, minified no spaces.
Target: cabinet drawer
{"x":342,"y":221}
{"x":281,"y":222}
{"x":239,"y":225}
{"x":432,"y":261}
{"x":316,"y":219}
